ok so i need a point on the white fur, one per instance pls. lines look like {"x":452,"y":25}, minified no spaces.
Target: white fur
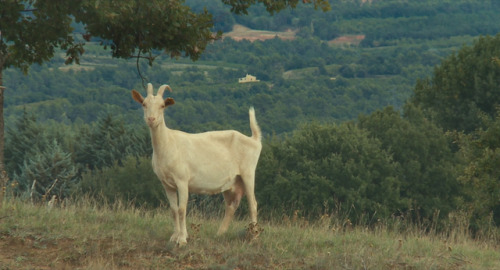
{"x":209,"y":163}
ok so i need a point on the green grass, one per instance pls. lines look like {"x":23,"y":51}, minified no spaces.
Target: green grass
{"x":83,"y":235}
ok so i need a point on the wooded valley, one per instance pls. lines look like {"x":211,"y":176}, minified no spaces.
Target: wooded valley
{"x":406,"y":122}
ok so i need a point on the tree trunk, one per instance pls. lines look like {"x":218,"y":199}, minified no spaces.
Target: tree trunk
{"x":2,"y":89}
{"x":3,"y":173}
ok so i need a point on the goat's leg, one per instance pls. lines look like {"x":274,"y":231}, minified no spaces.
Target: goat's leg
{"x":249,"y":182}
{"x":183,"y":193}
{"x":174,"y":205}
{"x":232,"y":200}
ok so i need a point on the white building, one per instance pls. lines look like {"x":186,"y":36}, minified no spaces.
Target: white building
{"x":248,"y":78}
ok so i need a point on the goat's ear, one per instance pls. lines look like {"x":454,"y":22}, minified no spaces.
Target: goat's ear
{"x":169,"y":101}
{"x":137,"y":97}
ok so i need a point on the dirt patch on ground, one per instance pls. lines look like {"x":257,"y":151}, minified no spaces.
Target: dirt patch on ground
{"x":241,"y":32}
{"x":32,"y":253}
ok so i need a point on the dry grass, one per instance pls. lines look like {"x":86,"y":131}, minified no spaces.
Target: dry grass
{"x":83,"y":235}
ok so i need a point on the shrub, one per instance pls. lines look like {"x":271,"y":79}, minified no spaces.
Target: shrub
{"x":133,"y":181}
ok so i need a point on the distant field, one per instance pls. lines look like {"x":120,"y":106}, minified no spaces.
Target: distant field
{"x":241,"y":32}
{"x":347,"y":40}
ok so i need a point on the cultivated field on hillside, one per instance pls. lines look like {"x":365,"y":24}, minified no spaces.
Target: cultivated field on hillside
{"x":241,"y":32}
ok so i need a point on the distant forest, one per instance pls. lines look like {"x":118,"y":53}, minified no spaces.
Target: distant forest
{"x":341,"y":82}
{"x":301,"y":80}
{"x":377,"y":139}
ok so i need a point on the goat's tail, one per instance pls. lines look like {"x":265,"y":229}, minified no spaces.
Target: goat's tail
{"x":256,"y":133}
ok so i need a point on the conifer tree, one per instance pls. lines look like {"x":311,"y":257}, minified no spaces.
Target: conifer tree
{"x":110,"y":141}
{"x":52,"y":169}
{"x":24,"y":139}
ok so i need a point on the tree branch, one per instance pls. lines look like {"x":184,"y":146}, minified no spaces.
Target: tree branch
{"x":139,"y":69}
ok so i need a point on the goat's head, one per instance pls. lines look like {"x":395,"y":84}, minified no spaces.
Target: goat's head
{"x":153,"y":105}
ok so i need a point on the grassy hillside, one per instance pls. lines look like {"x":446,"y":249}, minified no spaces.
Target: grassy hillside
{"x":82,"y":235}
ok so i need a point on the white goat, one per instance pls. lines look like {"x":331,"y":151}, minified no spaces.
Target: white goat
{"x":207,"y":163}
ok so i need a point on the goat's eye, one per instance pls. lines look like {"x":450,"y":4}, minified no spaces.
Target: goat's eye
{"x":143,"y":105}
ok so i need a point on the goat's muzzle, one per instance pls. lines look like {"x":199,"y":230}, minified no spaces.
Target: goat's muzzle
{"x":151,"y":121}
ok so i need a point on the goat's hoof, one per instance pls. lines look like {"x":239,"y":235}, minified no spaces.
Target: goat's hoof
{"x":181,"y":241}
{"x":253,"y":231}
{"x":174,"y":238}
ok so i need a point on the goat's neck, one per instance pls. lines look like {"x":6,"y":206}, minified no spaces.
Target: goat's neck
{"x":160,"y":136}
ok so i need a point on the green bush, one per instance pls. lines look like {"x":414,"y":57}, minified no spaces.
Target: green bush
{"x":324,"y":167}
{"x":481,"y":150}
{"x":427,"y":167}
{"x":133,"y":181}
{"x":464,"y":88}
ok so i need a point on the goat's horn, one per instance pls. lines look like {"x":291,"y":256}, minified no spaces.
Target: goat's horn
{"x":150,"y":89}
{"x":162,"y":89}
